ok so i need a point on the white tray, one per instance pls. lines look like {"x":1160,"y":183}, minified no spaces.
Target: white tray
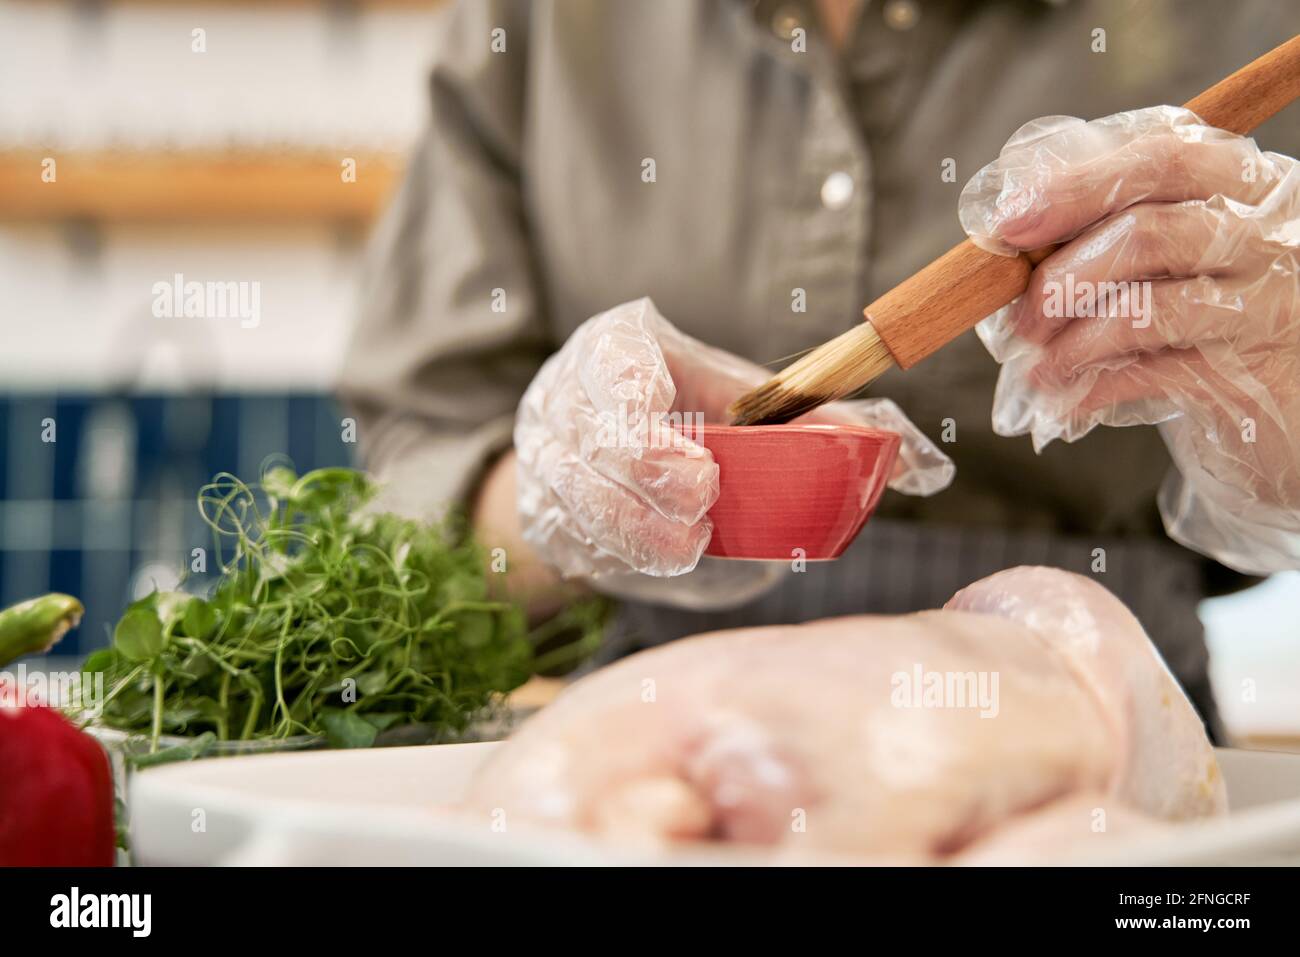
{"x":379,"y":807}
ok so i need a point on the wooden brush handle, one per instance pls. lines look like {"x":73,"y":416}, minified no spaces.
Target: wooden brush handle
{"x":1254,"y":93}
{"x":965,"y":284}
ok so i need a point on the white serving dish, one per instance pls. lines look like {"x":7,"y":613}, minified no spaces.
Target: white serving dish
{"x":380,"y":807}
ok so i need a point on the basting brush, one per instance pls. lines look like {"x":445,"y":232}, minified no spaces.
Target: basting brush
{"x":965,"y":284}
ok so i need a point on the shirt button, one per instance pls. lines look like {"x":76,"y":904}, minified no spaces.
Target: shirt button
{"x":837,"y":190}
{"x":785,"y":21}
{"x":902,"y":14}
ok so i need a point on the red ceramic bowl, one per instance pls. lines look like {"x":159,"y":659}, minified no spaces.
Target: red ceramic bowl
{"x":788,"y":487}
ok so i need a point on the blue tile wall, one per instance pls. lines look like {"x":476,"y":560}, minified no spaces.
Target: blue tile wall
{"x":115,"y":492}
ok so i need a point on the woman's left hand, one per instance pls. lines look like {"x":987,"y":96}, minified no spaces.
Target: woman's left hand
{"x":1175,"y":300}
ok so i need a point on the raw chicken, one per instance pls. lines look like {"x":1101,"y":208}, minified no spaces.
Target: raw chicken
{"x":1168,"y":767}
{"x":1034,"y":695}
{"x":1075,"y":828}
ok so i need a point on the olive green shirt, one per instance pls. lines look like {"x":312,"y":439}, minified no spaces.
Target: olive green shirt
{"x":780,"y":175}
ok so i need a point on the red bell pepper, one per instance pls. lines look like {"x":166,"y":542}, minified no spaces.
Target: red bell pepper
{"x":56,"y":792}
{"x":56,"y":786}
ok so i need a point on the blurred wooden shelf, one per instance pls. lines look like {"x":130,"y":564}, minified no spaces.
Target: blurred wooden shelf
{"x":194,"y":187}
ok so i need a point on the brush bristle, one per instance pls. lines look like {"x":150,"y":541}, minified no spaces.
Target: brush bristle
{"x":832,"y":371}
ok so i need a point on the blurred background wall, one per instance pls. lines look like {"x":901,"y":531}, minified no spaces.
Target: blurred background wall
{"x":212,"y":140}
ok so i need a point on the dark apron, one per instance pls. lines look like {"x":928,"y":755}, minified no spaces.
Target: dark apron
{"x":899,"y":567}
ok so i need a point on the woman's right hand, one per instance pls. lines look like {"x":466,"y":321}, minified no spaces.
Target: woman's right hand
{"x":604,"y":487}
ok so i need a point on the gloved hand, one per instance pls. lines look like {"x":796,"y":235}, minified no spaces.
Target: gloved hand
{"x":598,"y":499}
{"x":1174,"y":301}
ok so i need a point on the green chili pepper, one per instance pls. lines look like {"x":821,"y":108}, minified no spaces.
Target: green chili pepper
{"x":36,"y":625}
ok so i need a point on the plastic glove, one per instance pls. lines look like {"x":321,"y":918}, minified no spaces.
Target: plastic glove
{"x":598,"y":499}
{"x":1174,"y":301}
